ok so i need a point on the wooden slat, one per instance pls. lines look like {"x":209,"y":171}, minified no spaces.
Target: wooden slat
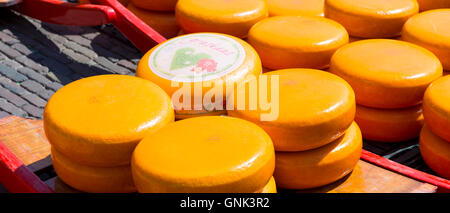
{"x":27,"y":140}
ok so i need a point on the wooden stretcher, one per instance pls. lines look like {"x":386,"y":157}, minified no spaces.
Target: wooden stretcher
{"x":25,"y":164}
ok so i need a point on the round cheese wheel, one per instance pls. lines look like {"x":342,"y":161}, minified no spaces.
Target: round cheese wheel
{"x":92,"y":179}
{"x":233,"y":17}
{"x":436,"y":107}
{"x":371,"y":18}
{"x":297,"y":42}
{"x":163,"y":22}
{"x":321,"y":166}
{"x":192,"y":67}
{"x":204,"y":154}
{"x":433,"y":4}
{"x":389,"y":125}
{"x":295,"y":7}
{"x":99,"y":120}
{"x":156,"y":5}
{"x":312,"y":108}
{"x":271,"y":186}
{"x":386,"y":73}
{"x":435,"y":152}
{"x":431,"y":30}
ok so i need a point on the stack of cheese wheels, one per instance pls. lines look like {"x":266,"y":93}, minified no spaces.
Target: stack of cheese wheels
{"x":158,"y":14}
{"x":297,"y":41}
{"x":431,"y":29}
{"x":433,"y":4}
{"x":198,"y":69}
{"x":94,"y":124}
{"x":371,"y":18}
{"x":211,"y":154}
{"x":295,"y":7}
{"x":435,"y":135}
{"x":232,"y":17}
{"x":389,"y":78}
{"x":310,"y":120}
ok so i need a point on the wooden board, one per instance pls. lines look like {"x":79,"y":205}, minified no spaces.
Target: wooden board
{"x":27,"y":140}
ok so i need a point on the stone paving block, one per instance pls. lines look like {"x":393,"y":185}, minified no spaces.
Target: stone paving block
{"x":8,"y":51}
{"x":128,"y":64}
{"x":55,"y":54}
{"x":35,"y":76}
{"x":11,"y":73}
{"x":111,"y":66}
{"x":80,"y":49}
{"x":33,"y":111}
{"x":58,"y":78}
{"x":34,"y":99}
{"x":76,"y":56}
{"x":11,"y":63}
{"x":22,"y":48}
{"x":7,"y":39}
{"x":12,"y":86}
{"x":55,"y":86}
{"x":27,"y":62}
{"x":80,"y":40}
{"x":46,"y":94}
{"x":11,"y":97}
{"x":32,"y":86}
{"x":10,"y":108}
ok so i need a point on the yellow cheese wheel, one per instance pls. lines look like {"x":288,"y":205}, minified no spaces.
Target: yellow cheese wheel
{"x":271,"y":186}
{"x":386,"y":73}
{"x":204,"y":154}
{"x":435,"y":152}
{"x":295,"y":7}
{"x":433,"y":4}
{"x":296,"y":42}
{"x":92,"y":179}
{"x":314,"y":108}
{"x":233,"y":17}
{"x":156,"y":5}
{"x":206,"y":61}
{"x":431,"y":30}
{"x":321,"y":166}
{"x":163,"y":22}
{"x":99,"y":120}
{"x":389,"y":125}
{"x":371,"y":18}
{"x":436,"y":107}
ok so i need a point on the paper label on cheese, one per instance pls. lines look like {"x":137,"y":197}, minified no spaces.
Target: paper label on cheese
{"x":196,"y":57}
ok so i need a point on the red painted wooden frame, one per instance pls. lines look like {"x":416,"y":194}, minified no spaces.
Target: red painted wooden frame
{"x":16,"y":177}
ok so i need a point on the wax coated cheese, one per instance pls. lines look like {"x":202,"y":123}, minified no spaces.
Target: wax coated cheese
{"x":389,"y":125}
{"x":435,"y":152}
{"x":206,"y":61}
{"x":433,"y":4}
{"x":321,"y":166}
{"x":233,"y":17}
{"x":92,"y":179}
{"x":436,"y":107}
{"x":315,"y":108}
{"x":99,"y":120}
{"x":271,"y":187}
{"x":295,"y":7}
{"x":156,"y":5}
{"x":204,"y":154}
{"x":163,"y":22}
{"x":371,"y":18}
{"x":297,"y":42}
{"x":386,"y":73}
{"x":431,"y":29}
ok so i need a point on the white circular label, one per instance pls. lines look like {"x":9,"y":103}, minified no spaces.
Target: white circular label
{"x":196,"y":57}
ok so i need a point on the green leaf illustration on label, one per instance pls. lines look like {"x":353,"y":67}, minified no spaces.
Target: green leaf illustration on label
{"x":185,"y":57}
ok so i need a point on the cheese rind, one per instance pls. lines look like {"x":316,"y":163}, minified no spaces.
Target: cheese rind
{"x":92,"y":179}
{"x":99,"y":120}
{"x":271,"y":186}
{"x":312,"y":108}
{"x":162,"y":22}
{"x":371,"y":19}
{"x":431,"y":30}
{"x":435,"y":152}
{"x":295,"y":7}
{"x":297,"y":41}
{"x":232,"y":17}
{"x":321,"y":166}
{"x":436,"y":107}
{"x":386,"y":73}
{"x":433,"y":4}
{"x":245,"y":64}
{"x":389,"y":125}
{"x":156,"y":5}
{"x":207,"y":154}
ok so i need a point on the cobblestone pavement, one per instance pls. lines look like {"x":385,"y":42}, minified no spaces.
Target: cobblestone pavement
{"x":36,"y":59}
